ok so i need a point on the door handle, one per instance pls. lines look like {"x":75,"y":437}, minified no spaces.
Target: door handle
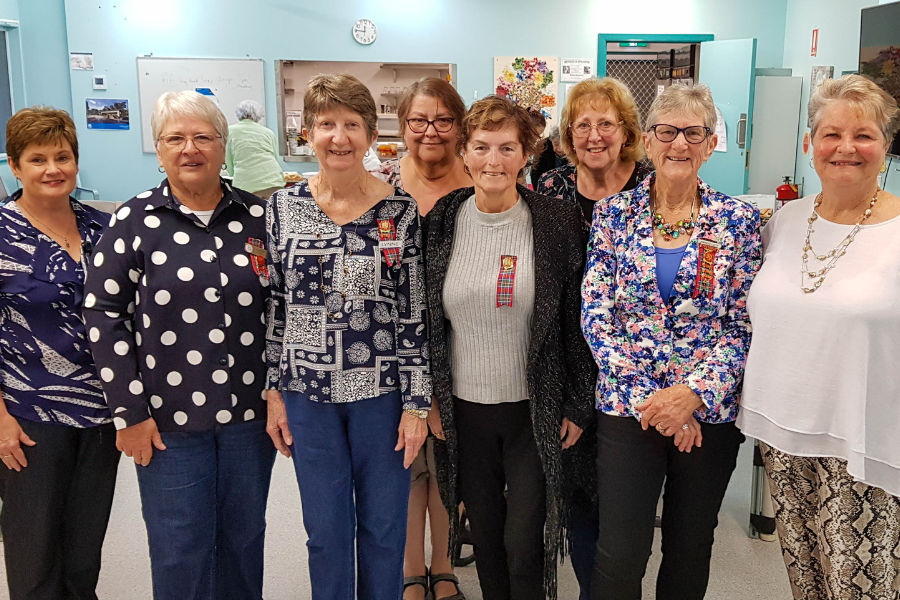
{"x":742,"y":131}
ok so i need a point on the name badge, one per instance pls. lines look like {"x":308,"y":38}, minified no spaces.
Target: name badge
{"x":387,"y":236}
{"x":506,"y":280}
{"x":705,"y":281}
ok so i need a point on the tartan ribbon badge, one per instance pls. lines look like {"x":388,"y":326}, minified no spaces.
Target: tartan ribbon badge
{"x":704,"y":283}
{"x":257,"y":251}
{"x":387,"y":234}
{"x":506,"y":280}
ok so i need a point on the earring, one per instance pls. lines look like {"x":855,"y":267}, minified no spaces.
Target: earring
{"x":884,"y":166}
{"x":810,"y":164}
{"x":224,"y":167}
{"x":466,"y":169}
{"x":160,"y":169}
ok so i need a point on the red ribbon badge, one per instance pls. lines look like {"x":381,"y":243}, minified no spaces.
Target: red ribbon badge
{"x":257,"y":251}
{"x":388,"y":233}
{"x":506,"y":280}
{"x":705,"y":282}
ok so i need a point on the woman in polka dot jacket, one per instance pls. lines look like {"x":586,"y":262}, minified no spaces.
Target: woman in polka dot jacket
{"x":175,"y":306}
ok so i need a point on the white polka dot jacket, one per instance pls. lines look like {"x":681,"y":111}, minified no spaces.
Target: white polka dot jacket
{"x":348,"y":301}
{"x":175,"y":310}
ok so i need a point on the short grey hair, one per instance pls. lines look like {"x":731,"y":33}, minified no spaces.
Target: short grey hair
{"x":684,"y":99}
{"x":248,"y":109}
{"x":554,"y":133}
{"x":860,"y":93}
{"x":187,"y":104}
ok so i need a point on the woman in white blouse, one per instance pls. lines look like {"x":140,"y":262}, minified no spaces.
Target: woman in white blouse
{"x":822,"y":385}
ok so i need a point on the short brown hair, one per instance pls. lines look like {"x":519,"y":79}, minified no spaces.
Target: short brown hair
{"x":326,"y":92}
{"x":495,"y":112}
{"x":602,"y":93}
{"x":39,"y":125}
{"x":433,"y":87}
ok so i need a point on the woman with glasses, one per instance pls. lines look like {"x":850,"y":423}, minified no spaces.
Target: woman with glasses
{"x":349,"y":379}
{"x":664,"y":310}
{"x":431,"y":114}
{"x":175,"y":309}
{"x":600,"y":131}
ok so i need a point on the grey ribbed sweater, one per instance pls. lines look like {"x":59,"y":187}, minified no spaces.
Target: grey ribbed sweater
{"x":489,"y":344}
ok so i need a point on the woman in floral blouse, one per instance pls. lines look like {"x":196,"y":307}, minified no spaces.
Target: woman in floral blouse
{"x":664,"y":310}
{"x":347,"y":350}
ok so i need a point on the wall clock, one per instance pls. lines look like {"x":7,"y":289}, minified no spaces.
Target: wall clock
{"x":364,"y":31}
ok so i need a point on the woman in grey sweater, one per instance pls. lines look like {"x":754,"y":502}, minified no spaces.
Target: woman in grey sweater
{"x":512,"y":372}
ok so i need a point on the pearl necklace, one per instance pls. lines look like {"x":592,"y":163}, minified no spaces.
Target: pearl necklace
{"x":834,"y":254}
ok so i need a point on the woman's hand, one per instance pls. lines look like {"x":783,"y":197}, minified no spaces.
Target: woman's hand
{"x":138,"y":441}
{"x":11,"y":438}
{"x":277,"y":425}
{"x":412,"y":433}
{"x":569,"y":433}
{"x":685,"y":439}
{"x":434,"y":421}
{"x":670,"y":408}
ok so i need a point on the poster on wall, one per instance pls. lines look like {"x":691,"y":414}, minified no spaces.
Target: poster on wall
{"x":819,"y":74}
{"x":107,"y":113}
{"x":575,"y":69}
{"x":81,"y":61}
{"x":529,"y":81}
{"x":722,"y":144}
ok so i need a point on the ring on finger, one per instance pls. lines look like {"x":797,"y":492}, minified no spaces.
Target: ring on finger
{"x":660,"y":428}
{"x":684,"y":427}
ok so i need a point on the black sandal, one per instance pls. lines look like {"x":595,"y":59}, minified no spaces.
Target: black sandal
{"x":416,"y":580}
{"x":439,"y":577}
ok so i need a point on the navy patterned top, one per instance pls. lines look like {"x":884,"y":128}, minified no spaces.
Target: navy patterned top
{"x":45,"y":358}
{"x":175,"y":308}
{"x":348,"y":302}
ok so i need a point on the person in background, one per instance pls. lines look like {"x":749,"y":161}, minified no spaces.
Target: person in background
{"x":601,"y":135}
{"x":175,"y":309}
{"x":349,"y":379}
{"x":550,"y":157}
{"x":821,"y":390}
{"x":539,"y":123}
{"x":431,"y":114}
{"x":513,"y":375}
{"x":57,"y":441}
{"x":669,"y":266}
{"x":251,"y":155}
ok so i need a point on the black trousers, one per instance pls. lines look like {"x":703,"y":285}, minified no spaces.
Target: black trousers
{"x":632,"y":465}
{"x":55,"y":511}
{"x":497,"y":452}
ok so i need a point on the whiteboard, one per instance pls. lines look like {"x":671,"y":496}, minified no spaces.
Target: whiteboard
{"x":230,"y":80}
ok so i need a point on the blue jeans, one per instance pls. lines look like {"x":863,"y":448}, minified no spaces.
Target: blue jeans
{"x":204,"y":503}
{"x":353,"y":488}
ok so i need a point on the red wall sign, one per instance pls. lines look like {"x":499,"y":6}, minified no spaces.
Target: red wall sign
{"x":815,"y":42}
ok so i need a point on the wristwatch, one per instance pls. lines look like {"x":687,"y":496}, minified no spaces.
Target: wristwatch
{"x":417,"y":412}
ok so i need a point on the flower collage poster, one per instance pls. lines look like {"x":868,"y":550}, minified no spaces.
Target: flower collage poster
{"x":530,"y":81}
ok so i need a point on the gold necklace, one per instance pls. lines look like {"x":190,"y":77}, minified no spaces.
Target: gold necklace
{"x":28,"y":213}
{"x":834,"y":254}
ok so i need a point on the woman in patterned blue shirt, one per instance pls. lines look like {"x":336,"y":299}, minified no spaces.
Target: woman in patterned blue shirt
{"x":347,"y":351}
{"x":57,"y":440}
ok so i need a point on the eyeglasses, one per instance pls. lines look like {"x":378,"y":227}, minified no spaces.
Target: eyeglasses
{"x":692,"y":135}
{"x":441,"y":124}
{"x":202,"y":141}
{"x":583,"y":129}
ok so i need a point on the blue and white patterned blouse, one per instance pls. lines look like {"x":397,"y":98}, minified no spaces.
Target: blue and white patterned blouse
{"x":45,"y":358}
{"x":701,"y":336}
{"x":348,"y":302}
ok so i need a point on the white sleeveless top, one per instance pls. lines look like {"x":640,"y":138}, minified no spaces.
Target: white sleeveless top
{"x":823,"y":372}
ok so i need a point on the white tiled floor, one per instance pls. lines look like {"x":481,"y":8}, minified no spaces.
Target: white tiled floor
{"x":742,"y":568}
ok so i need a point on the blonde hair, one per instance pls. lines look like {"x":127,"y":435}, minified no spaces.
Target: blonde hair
{"x":326,"y":92}
{"x":187,"y":104}
{"x":39,"y":125}
{"x":601,"y":93}
{"x":860,"y":93}
{"x":684,"y":98}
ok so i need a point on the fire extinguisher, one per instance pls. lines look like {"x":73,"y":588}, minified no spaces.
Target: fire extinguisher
{"x":786,"y":192}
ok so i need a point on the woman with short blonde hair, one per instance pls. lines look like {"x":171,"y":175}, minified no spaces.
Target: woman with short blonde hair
{"x":820,"y":390}
{"x":600,"y":129}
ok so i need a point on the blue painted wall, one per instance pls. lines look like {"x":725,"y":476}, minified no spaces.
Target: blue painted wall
{"x":467,"y":32}
{"x":838,"y":24}
{"x":45,"y":52}
{"x":9,"y":9}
